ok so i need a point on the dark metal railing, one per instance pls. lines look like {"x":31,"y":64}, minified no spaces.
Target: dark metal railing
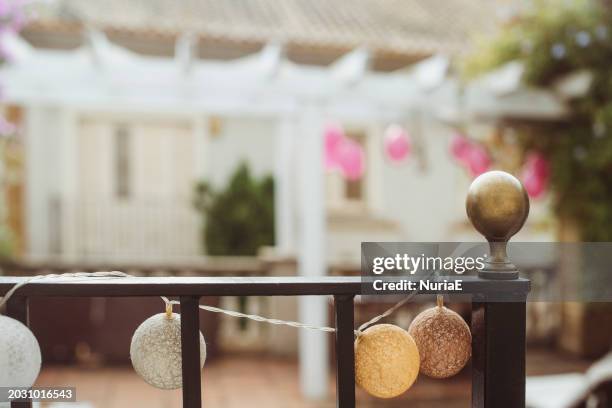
{"x":498,"y":327}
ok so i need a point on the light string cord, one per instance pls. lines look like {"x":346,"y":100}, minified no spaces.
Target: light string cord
{"x":386,"y":313}
{"x":256,"y":318}
{"x":169,"y":303}
{"x":291,"y":323}
{"x":101,"y":274}
{"x":393,"y":308}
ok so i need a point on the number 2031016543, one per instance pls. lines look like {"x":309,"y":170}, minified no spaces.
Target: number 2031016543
{"x":17,"y":394}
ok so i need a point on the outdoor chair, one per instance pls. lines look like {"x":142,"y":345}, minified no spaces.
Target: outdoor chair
{"x":592,"y":389}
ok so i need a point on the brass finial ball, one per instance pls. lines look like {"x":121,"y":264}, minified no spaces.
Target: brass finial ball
{"x":497,"y":205}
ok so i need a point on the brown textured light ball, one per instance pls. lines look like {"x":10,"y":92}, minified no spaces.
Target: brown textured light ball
{"x":444,"y":341}
{"x":386,"y":360}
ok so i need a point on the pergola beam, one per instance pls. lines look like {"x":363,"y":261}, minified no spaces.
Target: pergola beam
{"x":185,"y":51}
{"x":351,"y":67}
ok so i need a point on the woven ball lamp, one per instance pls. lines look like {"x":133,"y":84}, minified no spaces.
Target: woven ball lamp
{"x":443,"y":339}
{"x":19,"y":354}
{"x":386,"y":360}
{"x":156,"y":351}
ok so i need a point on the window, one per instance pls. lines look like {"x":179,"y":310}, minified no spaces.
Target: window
{"x":353,"y":189}
{"x":122,"y":161}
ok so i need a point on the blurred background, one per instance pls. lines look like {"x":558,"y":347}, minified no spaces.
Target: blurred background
{"x":269,"y":138}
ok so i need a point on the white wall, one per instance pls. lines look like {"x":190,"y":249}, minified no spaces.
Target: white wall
{"x":246,"y":139}
{"x":427,"y":200}
{"x":421,"y":199}
{"x":155,"y":219}
{"x":71,"y":205}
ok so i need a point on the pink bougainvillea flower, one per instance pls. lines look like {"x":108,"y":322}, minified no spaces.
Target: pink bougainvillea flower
{"x":469,"y":154}
{"x":477,"y":160}
{"x":12,"y":15}
{"x":12,"y":20}
{"x":460,"y":147}
{"x":535,"y":186}
{"x":5,"y":9}
{"x":535,"y":174}
{"x":397,"y":143}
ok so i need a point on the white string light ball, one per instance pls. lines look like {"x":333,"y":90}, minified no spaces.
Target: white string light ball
{"x":156,"y":351}
{"x":19,"y":354}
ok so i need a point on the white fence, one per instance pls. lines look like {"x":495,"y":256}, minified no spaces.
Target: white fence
{"x":128,"y":229}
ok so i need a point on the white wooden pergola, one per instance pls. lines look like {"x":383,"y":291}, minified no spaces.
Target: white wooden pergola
{"x":101,"y":76}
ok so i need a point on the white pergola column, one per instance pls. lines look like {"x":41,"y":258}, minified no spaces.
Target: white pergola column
{"x":37,"y":222}
{"x":284,"y":185}
{"x":313,"y":345}
{"x":68,"y":183}
{"x":44,"y":126}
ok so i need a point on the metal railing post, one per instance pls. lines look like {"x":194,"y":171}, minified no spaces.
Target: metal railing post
{"x":190,"y":351}
{"x":345,"y":352}
{"x":497,"y":205}
{"x":498,"y":354}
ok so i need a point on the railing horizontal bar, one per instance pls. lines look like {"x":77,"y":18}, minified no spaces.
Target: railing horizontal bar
{"x":212,"y":266}
{"x":228,"y":286}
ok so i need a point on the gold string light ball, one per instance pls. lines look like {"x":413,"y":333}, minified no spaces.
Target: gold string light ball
{"x":386,"y":360}
{"x":443,"y":339}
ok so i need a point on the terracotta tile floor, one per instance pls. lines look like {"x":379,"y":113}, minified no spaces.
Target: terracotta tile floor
{"x":251,"y":381}
{"x":229,"y":382}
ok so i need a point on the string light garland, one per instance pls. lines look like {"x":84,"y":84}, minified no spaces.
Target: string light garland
{"x":20,"y":356}
{"x":155,"y":349}
{"x":169,"y":303}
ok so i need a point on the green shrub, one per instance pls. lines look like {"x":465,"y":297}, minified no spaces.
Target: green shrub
{"x":239,"y":219}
